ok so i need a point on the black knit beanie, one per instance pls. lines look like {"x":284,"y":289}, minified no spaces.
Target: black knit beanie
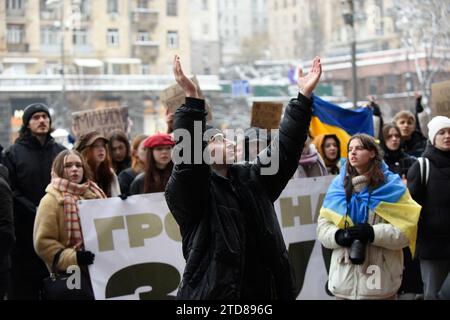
{"x":32,"y":109}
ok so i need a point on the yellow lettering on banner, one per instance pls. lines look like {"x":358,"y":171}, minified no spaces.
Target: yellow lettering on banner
{"x":141,"y":227}
{"x":172,"y":228}
{"x":104,"y":228}
{"x":319,"y":205}
{"x":289,"y":211}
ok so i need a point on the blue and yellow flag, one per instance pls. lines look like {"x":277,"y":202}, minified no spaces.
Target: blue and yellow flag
{"x":391,"y":201}
{"x":329,"y":118}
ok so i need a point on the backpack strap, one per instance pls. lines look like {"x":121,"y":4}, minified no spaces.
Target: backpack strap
{"x":424,"y":164}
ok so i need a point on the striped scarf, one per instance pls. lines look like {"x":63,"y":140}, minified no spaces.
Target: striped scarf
{"x":71,"y":193}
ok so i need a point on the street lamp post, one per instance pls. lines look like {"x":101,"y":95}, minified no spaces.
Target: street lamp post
{"x":348,"y":13}
{"x":61,"y":113}
{"x":63,"y":110}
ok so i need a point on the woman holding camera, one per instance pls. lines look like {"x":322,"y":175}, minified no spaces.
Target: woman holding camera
{"x":367,"y":218}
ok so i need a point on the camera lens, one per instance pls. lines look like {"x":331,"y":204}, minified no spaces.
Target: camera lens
{"x":357,"y":252}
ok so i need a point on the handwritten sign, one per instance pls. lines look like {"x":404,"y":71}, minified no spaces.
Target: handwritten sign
{"x":440,"y":96}
{"x":266,"y":115}
{"x":102,"y":120}
{"x":173,"y":97}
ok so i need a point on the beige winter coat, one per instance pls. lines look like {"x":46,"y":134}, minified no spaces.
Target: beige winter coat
{"x":380,"y":276}
{"x":50,"y":233}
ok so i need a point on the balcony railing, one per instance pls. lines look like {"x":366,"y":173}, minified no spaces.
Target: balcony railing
{"x":146,"y":49}
{"x":17,"y":47}
{"x":145,"y":18}
{"x":50,"y":15}
{"x":15,"y":12}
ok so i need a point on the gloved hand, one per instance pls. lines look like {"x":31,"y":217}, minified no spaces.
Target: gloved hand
{"x":123,"y":196}
{"x":85,"y":258}
{"x":363,"y":232}
{"x":344,"y":237}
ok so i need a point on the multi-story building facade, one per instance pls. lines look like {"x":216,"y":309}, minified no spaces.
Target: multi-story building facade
{"x":99,"y":37}
{"x":204,"y":31}
{"x":301,"y":29}
{"x":296,"y":28}
{"x":240,"y":20}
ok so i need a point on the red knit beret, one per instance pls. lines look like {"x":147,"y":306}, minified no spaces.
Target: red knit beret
{"x":158,"y":140}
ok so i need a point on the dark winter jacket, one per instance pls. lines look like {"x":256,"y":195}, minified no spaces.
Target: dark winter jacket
{"x":29,"y":164}
{"x":6,"y":220}
{"x":137,"y":186}
{"x":126,"y":177}
{"x":414,"y":146}
{"x":232,"y":241}
{"x":397,"y":161}
{"x":433,"y":240}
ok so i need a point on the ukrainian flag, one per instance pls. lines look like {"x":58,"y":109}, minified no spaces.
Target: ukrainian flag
{"x":329,"y":118}
{"x":391,"y":201}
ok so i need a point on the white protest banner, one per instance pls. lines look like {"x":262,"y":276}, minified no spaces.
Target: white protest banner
{"x":297,"y":211}
{"x":138,"y":246}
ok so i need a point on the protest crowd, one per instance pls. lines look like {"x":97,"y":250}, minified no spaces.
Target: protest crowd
{"x":387,"y":205}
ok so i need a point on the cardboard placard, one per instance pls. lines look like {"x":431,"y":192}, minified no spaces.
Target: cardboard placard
{"x":102,"y":120}
{"x":266,"y":115}
{"x":440,"y":97}
{"x":173,"y":97}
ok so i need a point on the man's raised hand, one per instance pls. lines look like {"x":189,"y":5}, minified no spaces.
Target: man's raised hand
{"x":307,"y":83}
{"x":185,"y":83}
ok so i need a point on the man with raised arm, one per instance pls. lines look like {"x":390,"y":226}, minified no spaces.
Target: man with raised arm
{"x":232,"y":241}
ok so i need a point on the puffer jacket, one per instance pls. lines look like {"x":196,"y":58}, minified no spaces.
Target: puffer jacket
{"x":6,"y":220}
{"x":50,"y":232}
{"x":380,"y":276}
{"x":232,"y":241}
{"x":433,"y":238}
{"x":29,"y":164}
{"x":398,"y":161}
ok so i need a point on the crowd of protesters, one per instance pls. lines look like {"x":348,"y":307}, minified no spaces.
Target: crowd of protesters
{"x":231,"y":238}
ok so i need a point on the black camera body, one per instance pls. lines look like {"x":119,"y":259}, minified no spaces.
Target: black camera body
{"x":357,"y":252}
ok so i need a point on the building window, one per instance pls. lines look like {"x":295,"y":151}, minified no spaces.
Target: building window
{"x":113,"y":6}
{"x":145,"y":68}
{"x":49,"y":36}
{"x":205,"y":28}
{"x":172,"y":40}
{"x":143,"y":36}
{"x":84,"y":7}
{"x":143,"y":4}
{"x":392,"y":83}
{"x":15,"y":33}
{"x":80,"y":37}
{"x":14,"y":4}
{"x":373,"y":86}
{"x":172,"y":8}
{"x":205,"y":5}
{"x":112,"y":38}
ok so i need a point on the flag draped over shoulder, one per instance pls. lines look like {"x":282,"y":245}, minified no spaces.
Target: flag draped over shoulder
{"x":329,"y":118}
{"x":391,"y":201}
